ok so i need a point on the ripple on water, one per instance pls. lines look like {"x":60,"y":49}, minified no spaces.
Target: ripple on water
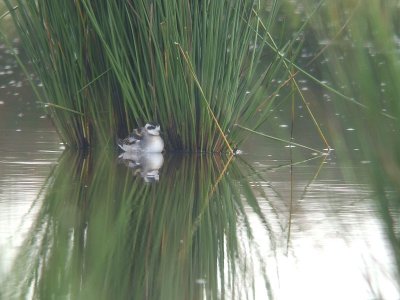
{"x":28,"y":150}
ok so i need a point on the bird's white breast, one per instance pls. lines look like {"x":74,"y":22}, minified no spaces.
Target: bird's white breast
{"x":154,"y":144}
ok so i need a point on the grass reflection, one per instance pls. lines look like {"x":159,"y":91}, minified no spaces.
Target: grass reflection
{"x":104,"y":233}
{"x":364,"y":64}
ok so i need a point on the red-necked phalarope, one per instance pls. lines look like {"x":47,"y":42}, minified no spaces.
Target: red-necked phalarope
{"x":145,"y":139}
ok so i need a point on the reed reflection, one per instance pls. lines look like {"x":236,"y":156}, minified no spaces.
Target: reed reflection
{"x":103,"y":233}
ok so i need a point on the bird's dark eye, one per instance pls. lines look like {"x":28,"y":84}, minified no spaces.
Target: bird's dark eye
{"x":151,"y":127}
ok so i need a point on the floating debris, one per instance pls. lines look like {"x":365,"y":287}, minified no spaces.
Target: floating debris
{"x":238,"y":152}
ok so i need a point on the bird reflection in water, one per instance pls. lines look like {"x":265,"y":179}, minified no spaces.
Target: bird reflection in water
{"x":147,"y":165}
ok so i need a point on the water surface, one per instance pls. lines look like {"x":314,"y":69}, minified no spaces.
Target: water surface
{"x":274,"y":223}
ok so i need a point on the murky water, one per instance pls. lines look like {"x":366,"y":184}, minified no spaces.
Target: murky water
{"x":29,"y":148}
{"x":274,"y":223}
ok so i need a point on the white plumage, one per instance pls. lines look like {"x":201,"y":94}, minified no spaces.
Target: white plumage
{"x":145,"y":139}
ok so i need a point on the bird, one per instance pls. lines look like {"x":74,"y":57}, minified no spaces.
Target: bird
{"x":145,"y":139}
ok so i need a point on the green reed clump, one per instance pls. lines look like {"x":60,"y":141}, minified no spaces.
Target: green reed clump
{"x":192,"y":66}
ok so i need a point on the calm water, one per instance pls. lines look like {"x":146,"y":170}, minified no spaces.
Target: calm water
{"x":275,"y":223}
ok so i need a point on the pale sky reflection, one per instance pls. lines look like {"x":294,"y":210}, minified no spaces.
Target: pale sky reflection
{"x":332,"y":254}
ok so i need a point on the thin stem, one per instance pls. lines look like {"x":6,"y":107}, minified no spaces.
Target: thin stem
{"x":205,"y":99}
{"x":278,"y":139}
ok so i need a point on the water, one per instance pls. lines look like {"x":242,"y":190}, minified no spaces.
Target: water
{"x":274,"y":223}
{"x":29,"y":148}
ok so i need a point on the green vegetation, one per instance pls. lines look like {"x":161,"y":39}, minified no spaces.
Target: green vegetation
{"x":363,"y":62}
{"x":103,"y":233}
{"x":195,"y":67}
{"x":208,"y":72}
